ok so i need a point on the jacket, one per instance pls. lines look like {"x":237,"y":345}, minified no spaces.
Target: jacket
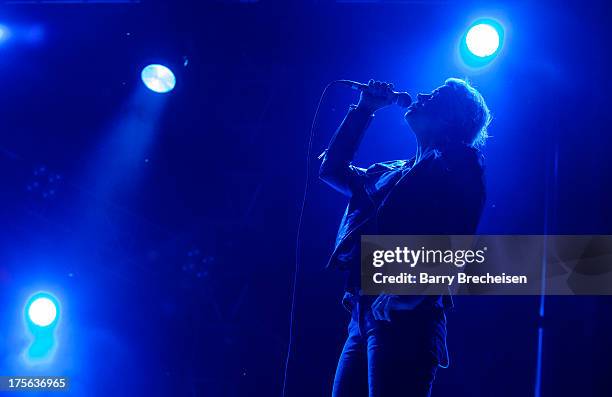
{"x":442,"y":194}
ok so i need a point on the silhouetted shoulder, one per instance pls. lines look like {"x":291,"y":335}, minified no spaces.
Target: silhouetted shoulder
{"x":462,"y":158}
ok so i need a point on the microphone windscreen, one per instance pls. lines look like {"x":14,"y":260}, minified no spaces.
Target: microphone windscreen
{"x":403,"y":99}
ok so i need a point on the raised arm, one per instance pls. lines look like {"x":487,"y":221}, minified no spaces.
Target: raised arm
{"x":337,"y":169}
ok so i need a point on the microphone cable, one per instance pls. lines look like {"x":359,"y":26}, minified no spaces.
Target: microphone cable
{"x":298,"y":235}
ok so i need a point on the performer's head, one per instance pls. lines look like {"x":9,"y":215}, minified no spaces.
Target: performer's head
{"x":452,"y":113}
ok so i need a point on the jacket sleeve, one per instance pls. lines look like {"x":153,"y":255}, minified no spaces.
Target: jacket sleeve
{"x":336,"y":168}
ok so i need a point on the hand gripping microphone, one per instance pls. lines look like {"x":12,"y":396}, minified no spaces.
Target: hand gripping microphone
{"x":402,"y":99}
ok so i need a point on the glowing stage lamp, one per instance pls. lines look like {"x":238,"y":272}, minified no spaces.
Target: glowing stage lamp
{"x":482,"y":40}
{"x":481,"y":43}
{"x":158,"y":78}
{"x":42,"y":311}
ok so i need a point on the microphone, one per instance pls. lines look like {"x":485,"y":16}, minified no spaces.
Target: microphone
{"x":402,"y":99}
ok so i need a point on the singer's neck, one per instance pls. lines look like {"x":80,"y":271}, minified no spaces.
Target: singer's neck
{"x":422,"y":150}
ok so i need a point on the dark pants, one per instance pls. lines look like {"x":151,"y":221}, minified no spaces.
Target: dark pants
{"x":397,"y":358}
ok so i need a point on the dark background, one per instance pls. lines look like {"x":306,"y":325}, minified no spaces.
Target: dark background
{"x":166,"y":224}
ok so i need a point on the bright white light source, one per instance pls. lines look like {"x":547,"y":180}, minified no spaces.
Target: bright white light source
{"x":482,"y":40}
{"x":42,"y":312}
{"x":158,"y":78}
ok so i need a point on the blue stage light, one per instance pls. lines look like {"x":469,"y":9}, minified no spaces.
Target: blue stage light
{"x":482,"y":40}
{"x":42,"y":310}
{"x":158,"y":78}
{"x":481,"y":43}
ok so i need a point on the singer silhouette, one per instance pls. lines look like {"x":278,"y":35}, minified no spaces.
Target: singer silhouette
{"x":395,"y":344}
